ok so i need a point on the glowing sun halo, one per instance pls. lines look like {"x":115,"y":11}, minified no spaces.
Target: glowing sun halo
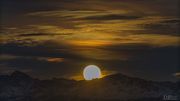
{"x":91,"y":72}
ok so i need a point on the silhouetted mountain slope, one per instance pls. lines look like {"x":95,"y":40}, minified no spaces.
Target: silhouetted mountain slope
{"x":21,"y":87}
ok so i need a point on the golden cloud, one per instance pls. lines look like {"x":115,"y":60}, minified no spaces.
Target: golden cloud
{"x":51,"y":59}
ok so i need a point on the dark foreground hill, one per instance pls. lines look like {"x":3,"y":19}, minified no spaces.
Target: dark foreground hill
{"x":21,"y":87}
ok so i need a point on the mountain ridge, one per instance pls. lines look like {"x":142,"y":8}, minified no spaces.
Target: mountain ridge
{"x":21,"y":87}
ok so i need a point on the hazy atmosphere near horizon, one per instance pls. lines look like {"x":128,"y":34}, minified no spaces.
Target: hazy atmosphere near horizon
{"x":59,"y":38}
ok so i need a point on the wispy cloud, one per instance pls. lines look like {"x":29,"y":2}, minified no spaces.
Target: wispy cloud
{"x":125,"y":35}
{"x":51,"y":59}
{"x":177,"y":74}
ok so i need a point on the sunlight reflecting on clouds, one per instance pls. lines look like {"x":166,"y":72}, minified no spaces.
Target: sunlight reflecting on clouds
{"x":108,"y":32}
{"x":66,"y":33}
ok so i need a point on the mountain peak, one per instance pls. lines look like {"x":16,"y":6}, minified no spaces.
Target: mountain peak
{"x":117,"y":76}
{"x":18,"y":74}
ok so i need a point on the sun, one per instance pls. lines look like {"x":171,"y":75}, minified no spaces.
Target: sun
{"x":91,"y":72}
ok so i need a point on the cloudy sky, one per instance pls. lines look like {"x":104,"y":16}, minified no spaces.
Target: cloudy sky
{"x":58,"y":38}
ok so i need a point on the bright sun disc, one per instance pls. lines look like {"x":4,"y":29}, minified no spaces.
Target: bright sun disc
{"x":91,"y":72}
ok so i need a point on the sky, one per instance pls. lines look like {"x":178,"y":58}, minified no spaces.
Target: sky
{"x":58,"y":38}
